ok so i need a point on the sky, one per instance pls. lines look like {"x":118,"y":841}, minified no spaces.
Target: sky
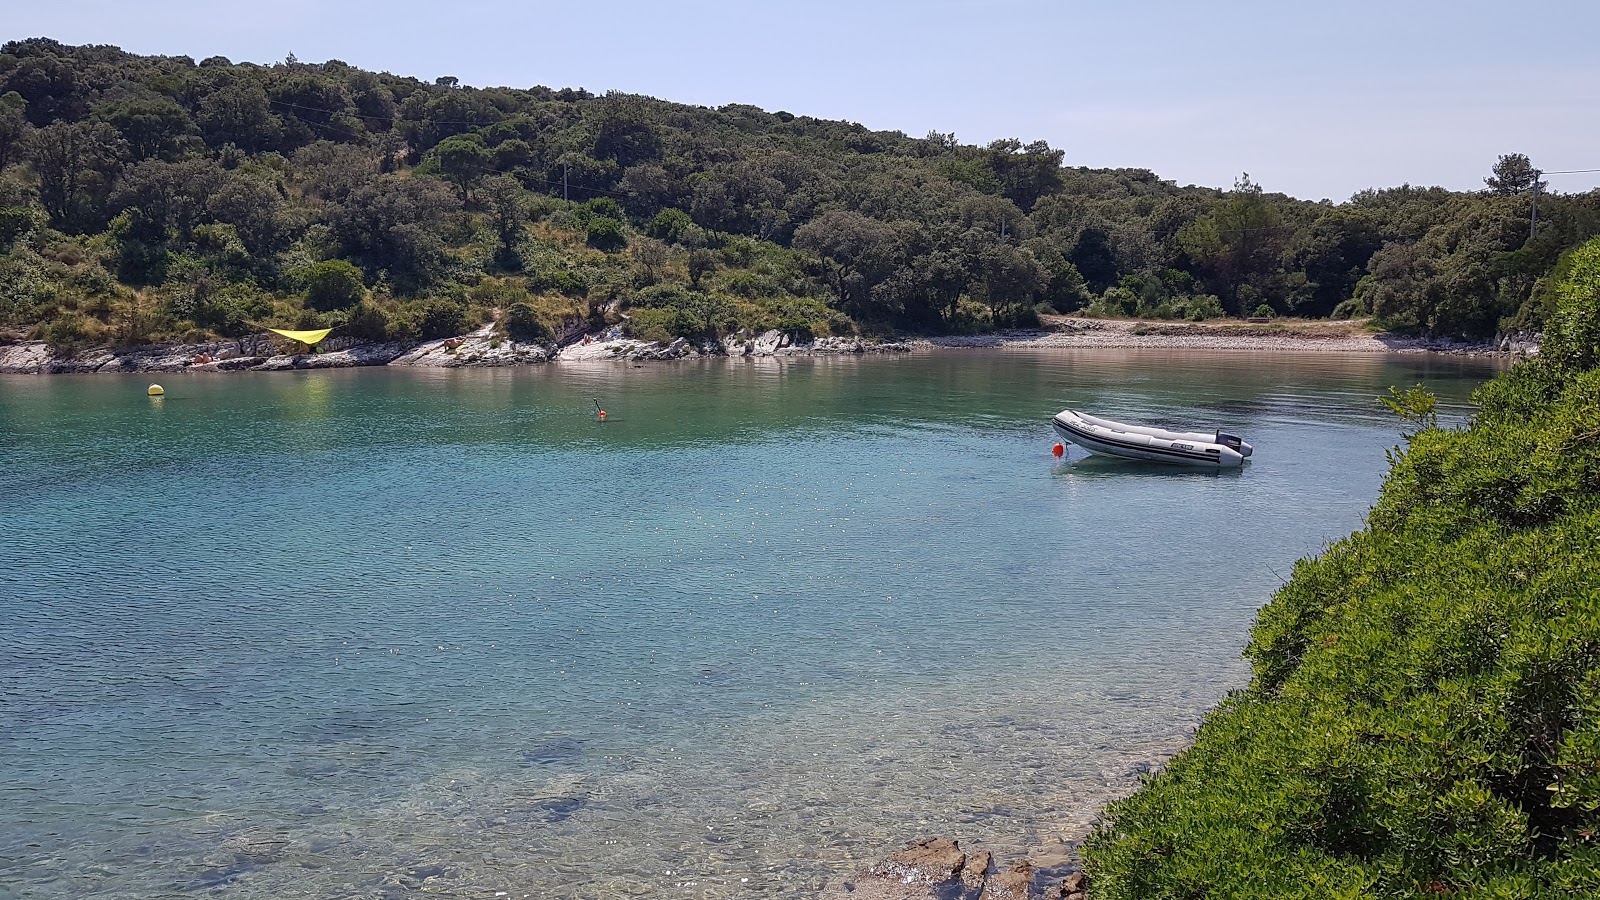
{"x":1313,"y":99}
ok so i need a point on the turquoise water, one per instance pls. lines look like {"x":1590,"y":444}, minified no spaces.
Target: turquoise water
{"x":377,"y":633}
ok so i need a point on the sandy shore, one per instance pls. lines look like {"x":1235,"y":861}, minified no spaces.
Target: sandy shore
{"x":1066,"y":332}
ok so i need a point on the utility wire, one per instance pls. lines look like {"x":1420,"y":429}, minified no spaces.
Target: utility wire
{"x":546,"y":182}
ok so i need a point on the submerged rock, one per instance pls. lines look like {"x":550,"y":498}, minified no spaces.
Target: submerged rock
{"x":937,"y":869}
{"x":931,"y":869}
{"x":556,"y":750}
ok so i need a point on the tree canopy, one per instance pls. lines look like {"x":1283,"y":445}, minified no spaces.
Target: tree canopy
{"x":165,"y":179}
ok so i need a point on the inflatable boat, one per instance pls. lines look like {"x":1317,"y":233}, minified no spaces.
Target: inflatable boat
{"x":1192,"y":448}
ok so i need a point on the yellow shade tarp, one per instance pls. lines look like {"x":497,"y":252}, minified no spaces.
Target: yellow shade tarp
{"x":309,"y":338}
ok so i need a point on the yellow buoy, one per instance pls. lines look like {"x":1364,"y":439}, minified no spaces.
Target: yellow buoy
{"x":156,"y":390}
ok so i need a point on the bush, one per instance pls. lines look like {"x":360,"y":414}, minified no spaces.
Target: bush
{"x":1116,"y":302}
{"x":971,"y":317}
{"x":333,"y":284}
{"x":606,"y":234}
{"x":672,"y":310}
{"x":524,"y":324}
{"x":800,"y":331}
{"x":1017,"y":317}
{"x":440,"y":318}
{"x":25,"y":287}
{"x":1353,"y":308}
{"x":233,"y":312}
{"x":368,"y":321}
{"x":558,"y":280}
{"x":15,"y":221}
{"x":1424,"y":713}
{"x":604,"y":207}
{"x":1264,"y":312}
{"x":670,"y":225}
{"x":403,"y":327}
{"x":653,"y":324}
{"x":68,"y":333}
{"x":662,"y":296}
{"x":751,"y":285}
{"x":1200,"y":308}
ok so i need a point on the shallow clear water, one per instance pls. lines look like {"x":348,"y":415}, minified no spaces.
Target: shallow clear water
{"x":379,"y":633}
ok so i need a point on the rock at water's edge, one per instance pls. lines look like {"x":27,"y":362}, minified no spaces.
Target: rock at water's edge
{"x":930,"y":869}
{"x":1011,"y":884}
{"x":976,"y":870}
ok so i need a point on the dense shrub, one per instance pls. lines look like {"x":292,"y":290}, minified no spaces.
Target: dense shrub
{"x":440,"y":318}
{"x":368,"y":321}
{"x":1424,"y":717}
{"x":524,"y":324}
{"x":68,"y":332}
{"x":15,"y":221}
{"x":332,"y":284}
{"x":607,"y":234}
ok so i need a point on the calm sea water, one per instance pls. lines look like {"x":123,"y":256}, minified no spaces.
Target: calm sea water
{"x":385,"y":634}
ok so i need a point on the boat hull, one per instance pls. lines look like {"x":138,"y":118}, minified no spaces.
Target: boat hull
{"x":1182,"y":449}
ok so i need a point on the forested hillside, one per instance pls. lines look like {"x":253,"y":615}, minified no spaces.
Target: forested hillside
{"x":146,"y":197}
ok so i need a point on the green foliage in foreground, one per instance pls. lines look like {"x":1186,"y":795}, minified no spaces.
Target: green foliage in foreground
{"x":1424,"y":717}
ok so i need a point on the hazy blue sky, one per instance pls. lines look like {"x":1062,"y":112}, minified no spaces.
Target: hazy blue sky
{"x":1317,"y":100}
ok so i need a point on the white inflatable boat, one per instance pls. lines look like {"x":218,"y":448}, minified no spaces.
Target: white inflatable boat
{"x":1107,"y":438}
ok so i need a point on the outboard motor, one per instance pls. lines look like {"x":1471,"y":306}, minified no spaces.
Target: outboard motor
{"x":1234,"y":442}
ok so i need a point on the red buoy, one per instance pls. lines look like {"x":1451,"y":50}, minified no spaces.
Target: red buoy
{"x":1058,"y":450}
{"x":602,"y":415}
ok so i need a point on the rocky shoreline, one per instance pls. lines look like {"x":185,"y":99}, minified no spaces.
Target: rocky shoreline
{"x":480,"y":349}
{"x":483,"y":348}
{"x":938,"y":869}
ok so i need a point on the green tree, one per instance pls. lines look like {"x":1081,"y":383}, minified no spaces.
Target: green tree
{"x":463,"y":159}
{"x":43,"y":73}
{"x":152,"y":127}
{"x":623,"y":130}
{"x":1025,"y":173}
{"x":77,"y":165}
{"x":856,"y":252}
{"x":506,"y":203}
{"x":702,"y":262}
{"x":606,"y":233}
{"x":332,"y":284}
{"x":1012,"y":280}
{"x":671,"y":225}
{"x":13,"y":126}
{"x":240,"y":114}
{"x":1513,"y":174}
{"x":650,"y":256}
{"x":392,"y":226}
{"x":1237,"y":246}
{"x":1333,"y":252}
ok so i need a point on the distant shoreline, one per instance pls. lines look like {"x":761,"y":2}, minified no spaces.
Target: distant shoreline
{"x":483,"y":349}
{"x":1065,"y":332}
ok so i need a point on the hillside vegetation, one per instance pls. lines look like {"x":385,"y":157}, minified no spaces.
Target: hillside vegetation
{"x":1424,"y":717}
{"x":157,"y":197}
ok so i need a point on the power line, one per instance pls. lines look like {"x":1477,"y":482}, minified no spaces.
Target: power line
{"x":1571,"y":172}
{"x":546,"y":182}
{"x":394,"y":118}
